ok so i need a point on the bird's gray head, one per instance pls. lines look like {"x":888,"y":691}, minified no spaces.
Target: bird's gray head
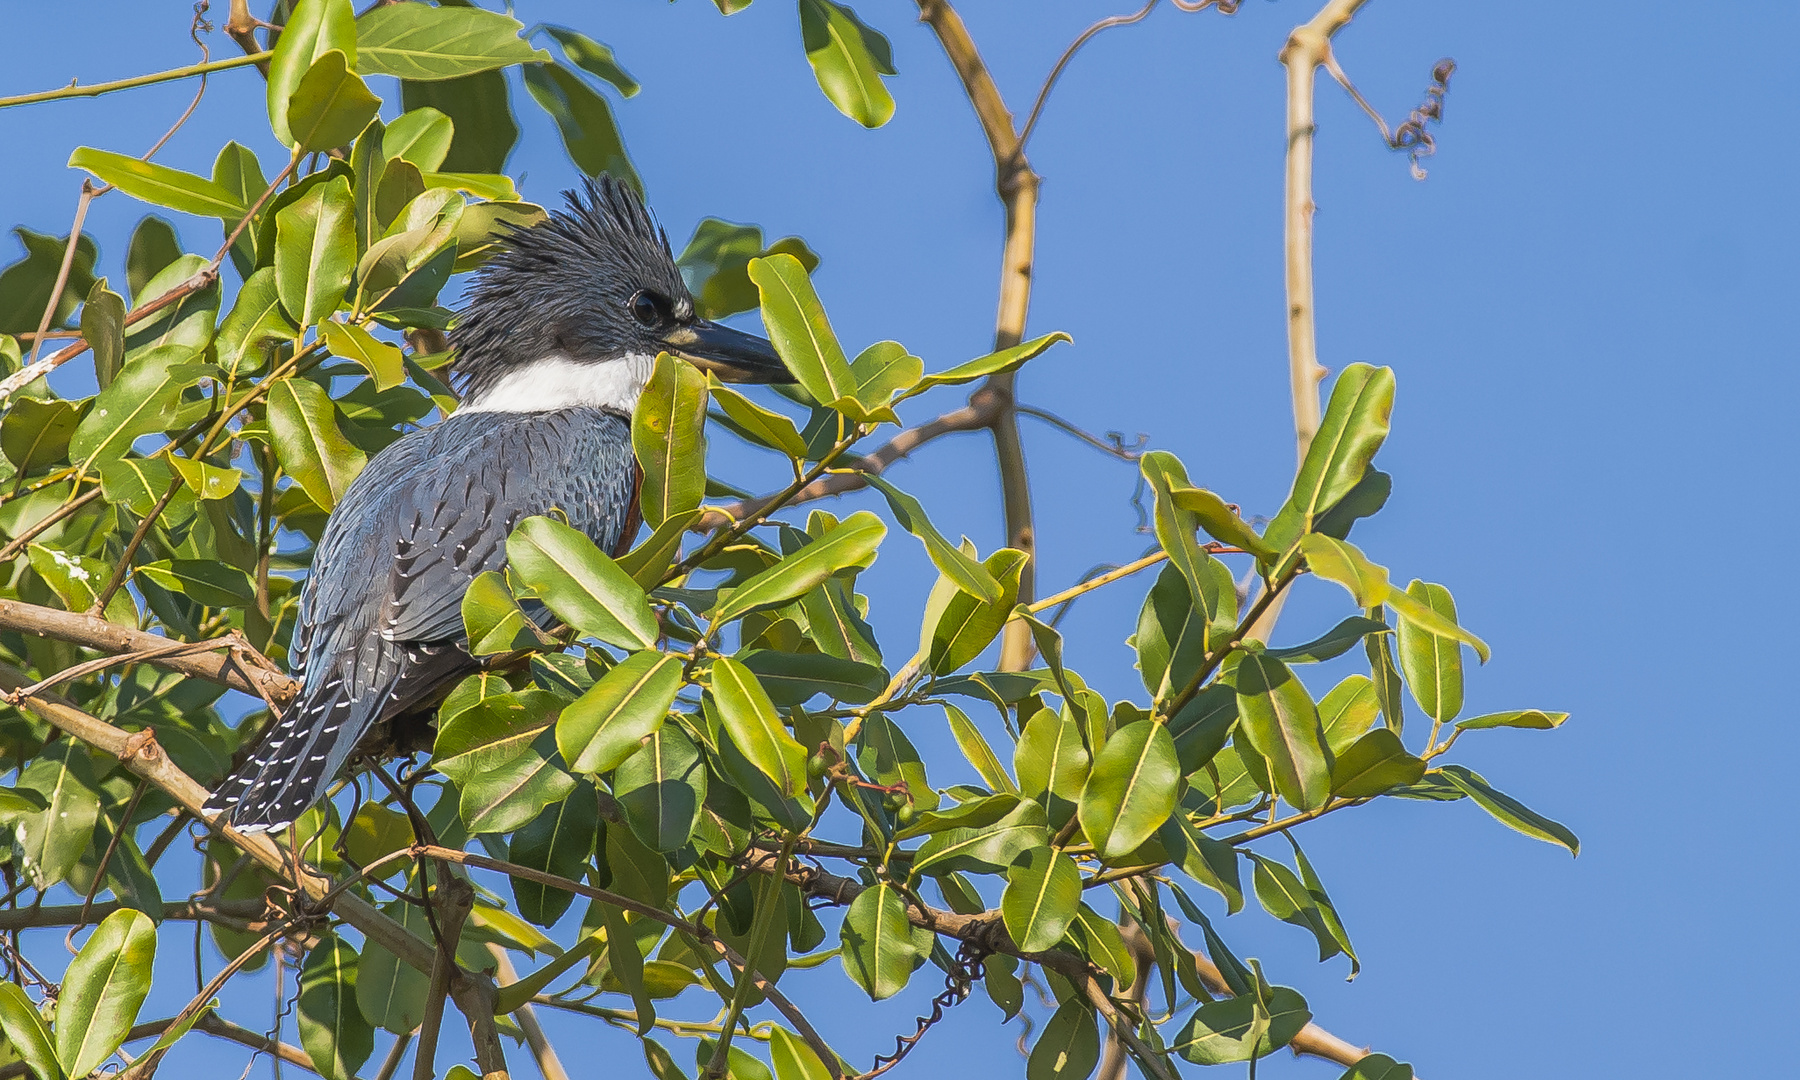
{"x":574,"y":309}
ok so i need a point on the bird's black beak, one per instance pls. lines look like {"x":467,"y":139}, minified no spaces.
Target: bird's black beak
{"x":731,"y":354}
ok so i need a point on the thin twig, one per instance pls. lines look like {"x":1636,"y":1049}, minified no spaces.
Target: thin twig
{"x":76,"y":90}
{"x":1037,"y":107}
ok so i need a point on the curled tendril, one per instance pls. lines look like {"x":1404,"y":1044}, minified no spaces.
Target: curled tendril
{"x":964,"y":970}
{"x":1412,"y":136}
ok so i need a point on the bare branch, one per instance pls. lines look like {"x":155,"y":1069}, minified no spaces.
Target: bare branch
{"x":549,"y":1065}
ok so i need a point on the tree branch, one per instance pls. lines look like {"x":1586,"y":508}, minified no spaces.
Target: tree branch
{"x":76,"y":90}
{"x":548,"y":1063}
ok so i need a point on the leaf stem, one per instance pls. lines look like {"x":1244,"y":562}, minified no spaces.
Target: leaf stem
{"x":76,"y":90}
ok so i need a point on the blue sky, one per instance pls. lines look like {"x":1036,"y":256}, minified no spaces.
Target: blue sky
{"x":1582,"y":303}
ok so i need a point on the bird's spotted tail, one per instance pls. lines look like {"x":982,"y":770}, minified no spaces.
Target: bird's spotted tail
{"x":294,"y":761}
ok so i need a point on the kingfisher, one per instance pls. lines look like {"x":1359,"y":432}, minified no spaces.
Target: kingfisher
{"x":559,"y":334}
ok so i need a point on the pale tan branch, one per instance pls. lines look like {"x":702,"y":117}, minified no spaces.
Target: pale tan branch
{"x":549,"y":1065}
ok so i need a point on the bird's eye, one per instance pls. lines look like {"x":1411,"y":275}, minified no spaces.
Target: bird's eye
{"x":649,"y":309}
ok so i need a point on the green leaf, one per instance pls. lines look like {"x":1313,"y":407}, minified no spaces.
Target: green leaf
{"x":159,"y":185}
{"x":204,"y":581}
{"x":1131,"y":790}
{"x":416,"y":41}
{"x":1174,"y":634}
{"x":1373,"y":764}
{"x":851,"y":542}
{"x":1212,"y":863}
{"x":1069,"y":1048}
{"x":881,"y":371}
{"x":330,"y":106}
{"x":844,"y":53}
{"x":376,"y":832}
{"x":480,"y":107}
{"x":144,"y":399}
{"x":975,"y":748}
{"x":103,"y":989}
{"x":796,"y":678}
{"x":389,"y":991}
{"x":627,"y":965}
{"x":837,"y":628}
{"x":50,"y":844}
{"x":1052,"y":762}
{"x":1432,"y":664}
{"x":988,"y":849}
{"x":153,"y":247}
{"x":1175,"y":526}
{"x":594,"y":58}
{"x":332,"y":1029}
{"x":422,"y":137}
{"x":312,"y":28}
{"x":968,"y":624}
{"x":1350,"y":709}
{"x":1201,"y":726}
{"x":1283,"y":895}
{"x":580,"y":584}
{"x":26,"y":1034}
{"x":1327,"y":911}
{"x":1222,"y":523}
{"x":879,"y":950}
{"x":204,"y":480}
{"x":1008,"y":359}
{"x":559,"y":841}
{"x":716,"y":264}
{"x":1378,"y":1067}
{"x":511,"y":795}
{"x":1516,"y":718}
{"x":1335,"y":642}
{"x":767,"y":427}
{"x":1340,"y":561}
{"x":174,"y":1032}
{"x":793,"y":1059}
{"x":25,"y":285}
{"x":188,"y":321}
{"x":970,"y":576}
{"x":1043,"y":891}
{"x":1384,"y":676}
{"x":661,"y":788}
{"x":668,"y":436}
{"x":966,"y":815}
{"x":1509,"y":811}
{"x":647,"y":562}
{"x":381,"y":360}
{"x":315,"y":251}
{"x":493,"y":618}
{"x":799,"y":330}
{"x":607,"y":724}
{"x":1353,"y":428}
{"x":1279,"y":718}
{"x":255,"y":320}
{"x":886,"y":756}
{"x":303,"y":424}
{"x":103,"y":328}
{"x":589,"y":132}
{"x":1235,"y":1028}
{"x":750,"y":718}
{"x":481,"y":734}
{"x":36,"y":433}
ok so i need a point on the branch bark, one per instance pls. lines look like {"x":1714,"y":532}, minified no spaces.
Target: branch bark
{"x":1017,"y":185}
{"x":548,"y":1063}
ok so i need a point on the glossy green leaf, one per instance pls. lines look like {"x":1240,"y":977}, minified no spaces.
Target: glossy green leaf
{"x":304,"y":425}
{"x":1509,"y":811}
{"x":1335,"y":642}
{"x":421,"y":137}
{"x":256,"y":319}
{"x":312,"y":28}
{"x":799,"y":329}
{"x":987,"y":848}
{"x":1069,"y":1047}
{"x":1279,"y":718}
{"x":376,"y":832}
{"x":975,"y":749}
{"x":668,"y":436}
{"x":580,"y":583}
{"x":881,"y":371}
{"x":25,"y":285}
{"x":716,"y":264}
{"x":35,"y":433}
{"x":103,"y":989}
{"x":1326,"y":910}
{"x":511,"y":795}
{"x":159,"y":185}
{"x":26,"y":1035}
{"x":1373,"y":764}
{"x":594,"y":58}
{"x":1043,"y":891}
{"x":585,"y":119}
{"x":391,"y":993}
{"x":1432,"y":664}
{"x":994,"y":363}
{"x":851,"y":542}
{"x":480,"y":736}
{"x":333,"y":1030}
{"x":627,"y":965}
{"x":558,"y":841}
{"x":886,"y":756}
{"x":844,"y":59}
{"x":50,"y":843}
{"x":755,"y":728}
{"x":1097,"y":939}
{"x":204,"y":480}
{"x":380,"y":359}
{"x":880,"y":953}
{"x":493,"y":618}
{"x":764,"y":426}
{"x":661,"y":789}
{"x":624,"y":707}
{"x":1283,"y":895}
{"x":1235,"y":1028}
{"x":1174,"y":634}
{"x":1131,"y":790}
{"x":144,"y":399}
{"x":1212,"y":863}
{"x":967,"y":624}
{"x":1201,"y":727}
{"x":1340,"y":561}
{"x":796,"y":678}
{"x":1351,"y":708}
{"x":969,"y":575}
{"x":1222,"y":523}
{"x":837,"y":627}
{"x":1353,"y":428}
{"x":1516,"y":718}
{"x":331,"y":105}
{"x":315,"y":251}
{"x":647,"y":562}
{"x":1378,"y":1067}
{"x":1384,"y":676}
{"x":793,"y":1059}
{"x":1052,"y":762}
{"x":153,"y":247}
{"x":480,"y":107}
{"x":103,"y":328}
{"x":965,"y":815}
{"x":204,"y":581}
{"x":417,"y":41}
{"x":1175,"y":527}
